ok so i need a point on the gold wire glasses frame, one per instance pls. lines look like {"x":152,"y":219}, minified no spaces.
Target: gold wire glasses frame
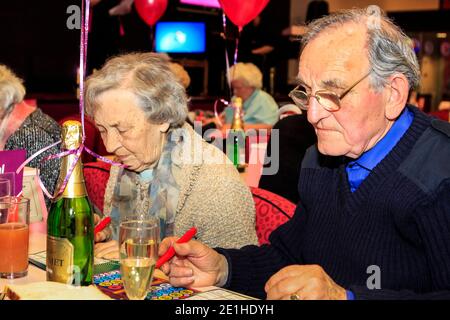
{"x":330,"y":100}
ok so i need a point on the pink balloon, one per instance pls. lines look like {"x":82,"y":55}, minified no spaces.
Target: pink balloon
{"x":150,"y":10}
{"x":241,"y":12}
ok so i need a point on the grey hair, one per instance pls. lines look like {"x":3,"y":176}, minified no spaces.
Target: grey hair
{"x":148,"y":76}
{"x":389,"y":49}
{"x":248,"y":73}
{"x":12,"y":90}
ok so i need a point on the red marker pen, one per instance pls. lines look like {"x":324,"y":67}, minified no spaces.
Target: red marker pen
{"x":171,"y":252}
{"x":102,"y":225}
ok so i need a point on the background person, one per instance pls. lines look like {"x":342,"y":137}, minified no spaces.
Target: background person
{"x":27,"y":127}
{"x":259,"y":106}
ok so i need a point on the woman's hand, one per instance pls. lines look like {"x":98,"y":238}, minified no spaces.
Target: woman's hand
{"x":107,"y":250}
{"x":308,"y":282}
{"x":103,"y":235}
{"x":194,"y":264}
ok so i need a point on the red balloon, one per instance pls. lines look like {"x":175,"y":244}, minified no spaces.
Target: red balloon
{"x":241,"y":12}
{"x":150,"y":10}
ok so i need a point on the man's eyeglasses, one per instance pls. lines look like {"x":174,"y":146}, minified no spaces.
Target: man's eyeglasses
{"x":330,"y":100}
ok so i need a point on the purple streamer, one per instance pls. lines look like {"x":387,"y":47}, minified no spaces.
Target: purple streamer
{"x":227,"y":60}
{"x":237,"y":48}
{"x":216,"y":114}
{"x":35,"y":155}
{"x":83,"y":55}
{"x":104,"y":159}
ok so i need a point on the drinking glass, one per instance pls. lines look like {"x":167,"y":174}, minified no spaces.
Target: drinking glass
{"x":14,"y":237}
{"x":5,"y":188}
{"x":138,"y":250}
{"x":5,"y":193}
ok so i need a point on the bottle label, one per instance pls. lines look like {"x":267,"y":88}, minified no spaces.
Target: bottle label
{"x":59,"y":260}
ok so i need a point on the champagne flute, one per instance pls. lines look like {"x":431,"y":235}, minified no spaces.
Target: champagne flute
{"x":138,"y":248}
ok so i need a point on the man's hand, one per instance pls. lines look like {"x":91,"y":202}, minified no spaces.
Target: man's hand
{"x":194,"y":264}
{"x":107,"y":250}
{"x":308,"y":282}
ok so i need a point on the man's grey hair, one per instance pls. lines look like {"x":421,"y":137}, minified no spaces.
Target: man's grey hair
{"x":148,"y":76}
{"x":12,"y":90}
{"x":389,"y":49}
{"x":248,"y":73}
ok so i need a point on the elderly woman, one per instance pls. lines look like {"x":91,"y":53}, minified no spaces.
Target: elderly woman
{"x":140,"y":108}
{"x":27,"y":127}
{"x":259,"y":106}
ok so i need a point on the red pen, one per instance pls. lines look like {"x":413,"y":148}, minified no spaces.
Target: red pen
{"x":171,"y":252}
{"x":102,"y":225}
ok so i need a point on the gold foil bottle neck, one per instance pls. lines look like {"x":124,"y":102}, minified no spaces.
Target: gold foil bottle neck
{"x":71,"y":134}
{"x":238,"y":123}
{"x":237,"y":101}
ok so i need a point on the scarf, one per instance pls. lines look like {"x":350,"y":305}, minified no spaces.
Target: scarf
{"x":153,"y":196}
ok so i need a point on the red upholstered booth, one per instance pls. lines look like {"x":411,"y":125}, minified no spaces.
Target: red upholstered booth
{"x":96,"y":175}
{"x":442,"y":114}
{"x":272,"y":210}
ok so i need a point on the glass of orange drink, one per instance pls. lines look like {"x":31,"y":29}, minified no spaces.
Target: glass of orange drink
{"x":14,"y":237}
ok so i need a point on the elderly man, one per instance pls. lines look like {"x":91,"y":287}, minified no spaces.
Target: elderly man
{"x":373,"y":217}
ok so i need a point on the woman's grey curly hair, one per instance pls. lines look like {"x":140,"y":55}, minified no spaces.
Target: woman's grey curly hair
{"x":148,"y":75}
{"x":12,"y":90}
{"x":247,"y":72}
{"x":389,"y":49}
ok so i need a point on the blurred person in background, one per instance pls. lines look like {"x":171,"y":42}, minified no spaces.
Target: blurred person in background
{"x":257,"y":42}
{"x":259,"y":107}
{"x":26,"y":127}
{"x":181,"y":74}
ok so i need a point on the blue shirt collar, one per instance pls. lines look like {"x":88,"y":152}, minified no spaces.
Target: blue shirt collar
{"x":372,"y":157}
{"x":146,"y":175}
{"x":250,"y":99}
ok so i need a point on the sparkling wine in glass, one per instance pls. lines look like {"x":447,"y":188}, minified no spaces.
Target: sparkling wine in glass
{"x":138,"y":247}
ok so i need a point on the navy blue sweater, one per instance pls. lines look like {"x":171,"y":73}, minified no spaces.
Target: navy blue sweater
{"x":397,"y":220}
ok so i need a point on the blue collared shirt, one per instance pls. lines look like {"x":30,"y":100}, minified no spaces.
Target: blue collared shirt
{"x":359,"y":169}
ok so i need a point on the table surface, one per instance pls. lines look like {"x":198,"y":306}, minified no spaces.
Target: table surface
{"x":37,"y":244}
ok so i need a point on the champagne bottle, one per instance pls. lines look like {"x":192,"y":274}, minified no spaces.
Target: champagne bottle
{"x":237,"y":136}
{"x":70,"y":226}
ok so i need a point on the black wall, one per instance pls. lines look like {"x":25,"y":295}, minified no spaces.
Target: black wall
{"x":38,"y":46}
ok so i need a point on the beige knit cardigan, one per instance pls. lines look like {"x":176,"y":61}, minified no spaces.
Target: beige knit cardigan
{"x":213,"y":197}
